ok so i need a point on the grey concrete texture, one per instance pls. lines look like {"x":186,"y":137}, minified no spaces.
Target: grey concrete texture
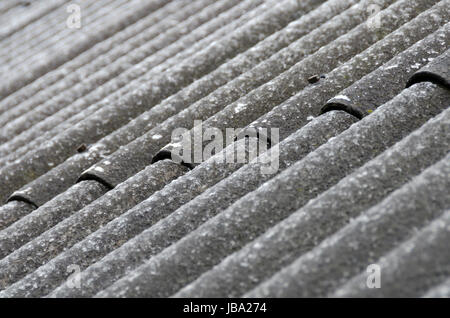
{"x":116,"y":22}
{"x":437,"y":72}
{"x":36,"y":13}
{"x":50,"y":94}
{"x":298,"y":28}
{"x":229,"y":92}
{"x":243,"y":111}
{"x":247,"y":218}
{"x":387,"y":81}
{"x":39,"y":32}
{"x":69,"y":69}
{"x":310,"y":101}
{"x":329,"y":212}
{"x":123,"y":228}
{"x":48,"y":215}
{"x":411,"y":268}
{"x":147,"y":119}
{"x":52,"y":42}
{"x":13,"y":211}
{"x":267,"y":96}
{"x":22,"y":117}
{"x":32,"y":34}
{"x":26,"y":139}
{"x":86,"y":221}
{"x":190,"y":214}
{"x":441,"y":291}
{"x":150,"y":93}
{"x":83,"y":114}
{"x":361,"y":240}
{"x":357,"y":176}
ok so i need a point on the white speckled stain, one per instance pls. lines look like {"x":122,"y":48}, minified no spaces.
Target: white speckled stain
{"x":99,"y":169}
{"x":343,"y":97}
{"x":391,"y":67}
{"x":239,"y":107}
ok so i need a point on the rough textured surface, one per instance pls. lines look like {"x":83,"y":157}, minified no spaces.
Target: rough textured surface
{"x":322,"y":216}
{"x":82,"y":108}
{"x":424,"y":257}
{"x":133,"y":54}
{"x":116,"y":21}
{"x":94,"y":203}
{"x":149,"y":93}
{"x":73,"y":168}
{"x":190,"y":215}
{"x":13,"y":211}
{"x":377,"y":231}
{"x":438,"y":71}
{"x":262,"y":99}
{"x":43,"y":87}
{"x":310,"y":101}
{"x":85,"y":221}
{"x":383,"y":84}
{"x":124,"y":227}
{"x":254,"y":213}
{"x":49,"y":215}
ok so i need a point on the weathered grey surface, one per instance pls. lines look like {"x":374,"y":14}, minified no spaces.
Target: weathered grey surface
{"x":364,"y":239}
{"x":114,"y":116}
{"x":70,"y":69}
{"x":171,"y":106}
{"x":371,"y":91}
{"x":48,"y":215}
{"x":125,"y":227}
{"x":383,"y":84}
{"x":96,"y":13}
{"x":133,"y":156}
{"x":127,"y":53}
{"x":85,"y":221}
{"x":136,"y":52}
{"x":329,"y":212}
{"x":223,"y":74}
{"x":192,"y":214}
{"x":310,"y":101}
{"x":438,"y":71}
{"x":44,"y":36}
{"x":250,"y":216}
{"x":413,"y":267}
{"x":81,"y":104}
{"x":13,"y":211}
{"x":59,"y":179}
{"x":112,"y":25}
{"x":138,"y":155}
{"x":35,"y":34}
{"x":33,"y":15}
{"x":87,"y":112}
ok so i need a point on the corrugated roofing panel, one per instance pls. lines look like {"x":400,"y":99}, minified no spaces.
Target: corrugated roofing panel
{"x":362,"y":176}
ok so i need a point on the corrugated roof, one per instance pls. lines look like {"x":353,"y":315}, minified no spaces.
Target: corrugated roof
{"x":358,"y":89}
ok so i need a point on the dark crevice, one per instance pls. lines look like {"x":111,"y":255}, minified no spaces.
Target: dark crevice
{"x":428,"y":77}
{"x":164,"y":154}
{"x":89,"y":176}
{"x":17,"y":197}
{"x":346,"y":108}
